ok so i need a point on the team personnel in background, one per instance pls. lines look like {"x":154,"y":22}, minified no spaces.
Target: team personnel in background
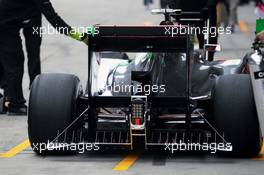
{"x":1,"y":87}
{"x":147,"y":4}
{"x":163,"y":4}
{"x":260,"y":37}
{"x":191,"y":5}
{"x":260,"y":13}
{"x":33,"y":42}
{"x":13,"y":14}
{"x":222,"y":13}
{"x":1,"y":76}
{"x":233,"y":18}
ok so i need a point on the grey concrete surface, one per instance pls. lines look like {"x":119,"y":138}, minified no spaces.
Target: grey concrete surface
{"x":61,"y":54}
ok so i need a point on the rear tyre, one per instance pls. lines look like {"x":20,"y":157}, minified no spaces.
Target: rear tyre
{"x":236,"y":116}
{"x":52,"y":107}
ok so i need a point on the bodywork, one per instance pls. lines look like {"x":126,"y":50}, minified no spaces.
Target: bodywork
{"x":137,"y":56}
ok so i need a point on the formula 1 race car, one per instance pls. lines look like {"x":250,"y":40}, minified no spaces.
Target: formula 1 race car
{"x":147,"y":87}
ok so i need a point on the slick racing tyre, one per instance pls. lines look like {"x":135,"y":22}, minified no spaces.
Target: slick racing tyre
{"x":235,"y":115}
{"x":52,"y":108}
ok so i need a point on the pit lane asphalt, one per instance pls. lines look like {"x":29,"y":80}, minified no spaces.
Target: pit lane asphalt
{"x":63,"y":55}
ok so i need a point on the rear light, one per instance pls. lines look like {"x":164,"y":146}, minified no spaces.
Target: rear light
{"x":138,"y":121}
{"x":138,"y":109}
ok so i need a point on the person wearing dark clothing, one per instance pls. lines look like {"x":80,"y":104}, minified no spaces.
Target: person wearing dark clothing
{"x":12,"y":60}
{"x":163,"y":4}
{"x":1,"y":76}
{"x":33,"y":42}
{"x":233,"y":18}
{"x":13,"y":16}
{"x":222,"y":13}
{"x":147,"y":3}
{"x":197,"y":6}
{"x":2,"y":111}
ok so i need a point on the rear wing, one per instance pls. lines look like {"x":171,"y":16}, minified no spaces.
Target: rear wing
{"x":184,"y":17}
{"x":161,"y":38}
{"x":140,"y":39}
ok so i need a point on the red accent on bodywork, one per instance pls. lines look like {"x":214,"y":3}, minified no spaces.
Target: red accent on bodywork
{"x":137,"y":121}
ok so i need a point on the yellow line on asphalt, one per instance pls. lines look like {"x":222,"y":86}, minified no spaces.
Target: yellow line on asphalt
{"x":243,"y":26}
{"x":126,"y":163}
{"x":16,"y":150}
{"x":261,"y":155}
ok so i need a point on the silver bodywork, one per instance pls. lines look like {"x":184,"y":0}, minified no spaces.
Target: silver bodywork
{"x":255,"y":63}
{"x":168,"y":69}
